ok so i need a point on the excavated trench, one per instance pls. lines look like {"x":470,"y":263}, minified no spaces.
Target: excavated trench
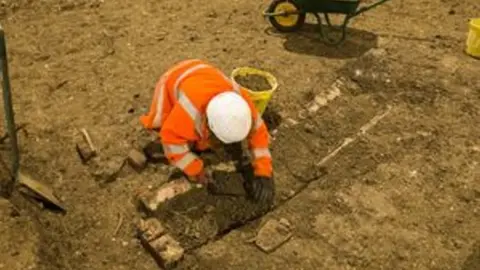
{"x":199,"y":218}
{"x":297,"y":148}
{"x":202,"y":215}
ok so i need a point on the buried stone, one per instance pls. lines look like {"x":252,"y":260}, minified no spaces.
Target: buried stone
{"x":137,"y":160}
{"x":273,"y":234}
{"x":200,"y":214}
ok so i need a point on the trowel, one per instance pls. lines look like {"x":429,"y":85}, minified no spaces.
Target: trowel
{"x":32,"y":189}
{"x":20,"y":181}
{"x":38,"y":191}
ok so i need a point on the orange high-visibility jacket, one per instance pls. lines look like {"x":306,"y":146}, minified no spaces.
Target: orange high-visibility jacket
{"x":178,"y":110}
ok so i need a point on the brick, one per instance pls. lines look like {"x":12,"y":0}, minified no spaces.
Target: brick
{"x":166,"y":251}
{"x":150,"y":229}
{"x":153,"y":199}
{"x":84,"y":152}
{"x":85,"y":148}
{"x":137,"y":160}
{"x":273,"y":234}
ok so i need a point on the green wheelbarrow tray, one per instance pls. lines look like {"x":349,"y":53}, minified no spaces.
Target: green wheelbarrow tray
{"x":280,"y":11}
{"x":328,"y":6}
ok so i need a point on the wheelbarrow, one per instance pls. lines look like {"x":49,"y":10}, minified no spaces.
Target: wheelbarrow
{"x":289,"y":15}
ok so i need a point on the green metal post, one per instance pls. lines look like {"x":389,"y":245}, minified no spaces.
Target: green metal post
{"x":8,"y":106}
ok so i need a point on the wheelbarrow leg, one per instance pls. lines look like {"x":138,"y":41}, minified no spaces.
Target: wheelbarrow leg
{"x":342,"y":28}
{"x":329,"y":23}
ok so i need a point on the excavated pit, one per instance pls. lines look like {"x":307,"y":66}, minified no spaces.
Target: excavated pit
{"x":201,"y":215}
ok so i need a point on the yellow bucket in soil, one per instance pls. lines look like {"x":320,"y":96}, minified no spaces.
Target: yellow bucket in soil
{"x":259,"y":98}
{"x":473,"y":41}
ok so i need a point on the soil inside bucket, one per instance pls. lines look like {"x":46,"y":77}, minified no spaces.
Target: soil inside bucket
{"x":253,"y":82}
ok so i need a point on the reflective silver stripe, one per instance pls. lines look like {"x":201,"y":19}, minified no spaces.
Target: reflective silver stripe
{"x":175,"y":148}
{"x":157,"y":121}
{"x":184,"y":75}
{"x":261,"y":152}
{"x":192,"y":111}
{"x":258,"y":122}
{"x":185,"y":161}
{"x":235,"y":86}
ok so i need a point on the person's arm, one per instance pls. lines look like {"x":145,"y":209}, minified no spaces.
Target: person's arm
{"x":259,"y":143}
{"x":177,"y":131}
{"x":260,"y":185}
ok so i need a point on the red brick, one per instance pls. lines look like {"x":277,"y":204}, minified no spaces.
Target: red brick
{"x":151,"y":200}
{"x":168,"y":251}
{"x":150,"y":229}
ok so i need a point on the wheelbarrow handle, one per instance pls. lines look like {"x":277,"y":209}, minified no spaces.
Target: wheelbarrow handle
{"x":368,"y":7}
{"x":8,"y":106}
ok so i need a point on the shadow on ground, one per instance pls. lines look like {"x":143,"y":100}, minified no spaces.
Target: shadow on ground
{"x":473,"y":260}
{"x":308,"y":41}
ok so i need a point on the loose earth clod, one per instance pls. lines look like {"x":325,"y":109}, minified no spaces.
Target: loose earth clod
{"x":137,"y":160}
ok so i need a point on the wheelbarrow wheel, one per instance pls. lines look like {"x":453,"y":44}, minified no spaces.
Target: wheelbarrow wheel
{"x":285,"y":23}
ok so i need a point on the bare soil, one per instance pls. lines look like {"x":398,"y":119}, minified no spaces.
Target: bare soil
{"x":403,"y":195}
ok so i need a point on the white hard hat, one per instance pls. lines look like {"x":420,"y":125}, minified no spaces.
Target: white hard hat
{"x":229,"y":117}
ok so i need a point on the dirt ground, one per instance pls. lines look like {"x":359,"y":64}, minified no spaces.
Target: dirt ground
{"x":404,"y":194}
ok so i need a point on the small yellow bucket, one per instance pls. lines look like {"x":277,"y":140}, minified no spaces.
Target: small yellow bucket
{"x":473,"y":41}
{"x":259,"y":98}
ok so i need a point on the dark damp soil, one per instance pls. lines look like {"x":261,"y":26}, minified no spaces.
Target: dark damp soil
{"x":201,"y":215}
{"x":271,"y":117}
{"x":253,"y":82}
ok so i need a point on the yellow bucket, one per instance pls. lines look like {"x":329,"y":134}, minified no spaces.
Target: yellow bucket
{"x":259,"y":98}
{"x":473,"y":41}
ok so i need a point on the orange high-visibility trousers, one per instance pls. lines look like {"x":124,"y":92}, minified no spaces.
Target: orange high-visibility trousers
{"x":178,"y":110}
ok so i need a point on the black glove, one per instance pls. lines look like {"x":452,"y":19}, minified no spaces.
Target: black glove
{"x":154,"y":152}
{"x":261,"y":189}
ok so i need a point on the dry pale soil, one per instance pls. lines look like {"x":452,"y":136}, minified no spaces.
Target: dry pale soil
{"x":404,"y":193}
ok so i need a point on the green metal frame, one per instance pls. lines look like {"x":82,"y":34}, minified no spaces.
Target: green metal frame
{"x":8,"y":107}
{"x":327,"y":6}
{"x":316,"y":7}
{"x":349,"y":14}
